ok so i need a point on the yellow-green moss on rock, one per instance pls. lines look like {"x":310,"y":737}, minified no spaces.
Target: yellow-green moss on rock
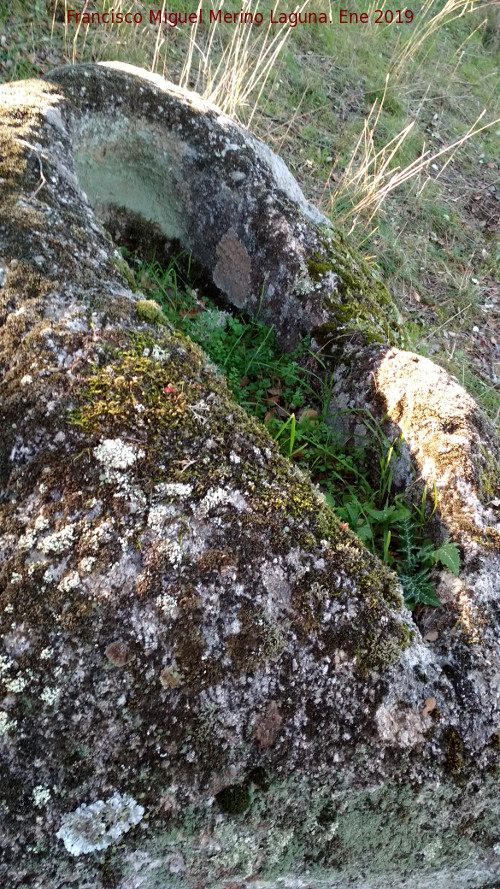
{"x":149,"y":310}
{"x":358,"y":303}
{"x":123,"y":267}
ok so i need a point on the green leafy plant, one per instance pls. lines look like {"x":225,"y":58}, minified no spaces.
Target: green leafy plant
{"x":416,"y":560}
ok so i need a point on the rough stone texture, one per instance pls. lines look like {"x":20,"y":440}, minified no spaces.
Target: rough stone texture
{"x":205,"y":185}
{"x":447,"y":441}
{"x":205,"y":680}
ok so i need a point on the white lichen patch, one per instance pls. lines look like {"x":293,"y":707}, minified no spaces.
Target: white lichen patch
{"x":99,"y":535}
{"x":16,"y":684}
{"x":41,"y":523}
{"x":26,"y":380}
{"x":59,"y":542}
{"x":12,"y":684}
{"x":27,"y":541}
{"x":175,"y":490}
{"x":220,"y":497}
{"x":70,"y":581}
{"x":167,"y":605}
{"x":93,"y":827}
{"x":86,"y":564}
{"x":159,"y":354}
{"x":50,"y":695}
{"x":172,"y":551}
{"x":132,"y":494}
{"x":6,"y":724}
{"x":46,"y":654}
{"x":41,"y":796}
{"x":113,"y":453}
{"x":158,"y":516}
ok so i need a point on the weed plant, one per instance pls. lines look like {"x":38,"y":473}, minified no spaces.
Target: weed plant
{"x":292,"y":401}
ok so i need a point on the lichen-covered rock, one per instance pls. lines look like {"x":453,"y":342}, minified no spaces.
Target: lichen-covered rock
{"x":166,"y":163}
{"x":204,"y":679}
{"x":442,"y":439}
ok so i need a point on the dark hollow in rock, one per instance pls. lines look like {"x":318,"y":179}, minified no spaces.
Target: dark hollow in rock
{"x":235,"y":799}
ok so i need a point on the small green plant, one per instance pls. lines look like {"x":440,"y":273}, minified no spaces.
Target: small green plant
{"x":293,"y":403}
{"x":396,"y":533}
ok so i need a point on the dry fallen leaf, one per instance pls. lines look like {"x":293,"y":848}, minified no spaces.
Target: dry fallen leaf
{"x":309,"y":414}
{"x":189,"y":313}
{"x":429,"y":706}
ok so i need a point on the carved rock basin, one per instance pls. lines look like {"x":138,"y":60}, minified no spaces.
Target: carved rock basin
{"x":205,"y":680}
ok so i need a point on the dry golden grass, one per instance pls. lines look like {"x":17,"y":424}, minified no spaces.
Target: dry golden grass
{"x":370,"y":174}
{"x":234,"y":75}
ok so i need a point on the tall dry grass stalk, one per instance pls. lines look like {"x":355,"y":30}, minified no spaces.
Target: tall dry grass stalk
{"x":240,"y":75}
{"x":433,"y":15}
{"x":370,"y":175}
{"x":231,"y":75}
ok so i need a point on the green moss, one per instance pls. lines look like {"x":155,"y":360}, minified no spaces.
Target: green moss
{"x":381,"y":653}
{"x":148,"y":310}
{"x":132,"y":391}
{"x":318,"y":268}
{"x":454,"y":748}
{"x":235,"y":799}
{"x":124,"y":269}
{"x":490,"y":476}
{"x":362,"y":304}
{"x":380,"y":581}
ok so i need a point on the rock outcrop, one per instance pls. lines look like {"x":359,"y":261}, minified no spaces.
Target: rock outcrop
{"x":205,"y":680}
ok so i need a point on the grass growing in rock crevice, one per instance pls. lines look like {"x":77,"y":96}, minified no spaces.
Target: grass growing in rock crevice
{"x":282,"y":391}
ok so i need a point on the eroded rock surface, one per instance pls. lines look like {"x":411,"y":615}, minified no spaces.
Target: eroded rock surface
{"x":205,"y":680}
{"x":448,"y":442}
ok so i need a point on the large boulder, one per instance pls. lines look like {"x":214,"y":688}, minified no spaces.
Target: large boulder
{"x":205,"y":680}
